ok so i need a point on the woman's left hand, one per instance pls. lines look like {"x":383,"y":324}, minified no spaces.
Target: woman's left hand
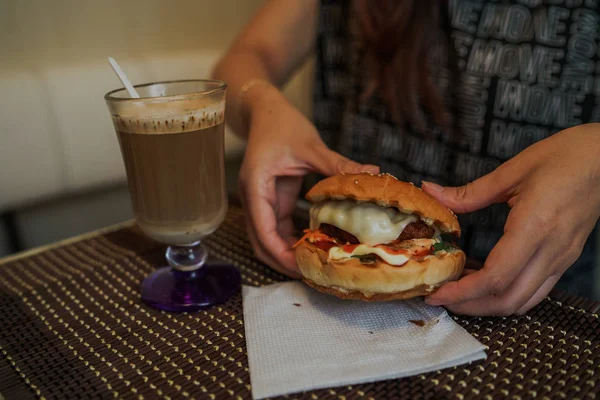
{"x":553,"y":190}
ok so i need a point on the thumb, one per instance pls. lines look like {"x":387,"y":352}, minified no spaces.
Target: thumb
{"x":328,"y":162}
{"x":489,"y":189}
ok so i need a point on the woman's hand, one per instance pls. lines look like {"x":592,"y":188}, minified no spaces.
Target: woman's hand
{"x":283,"y":146}
{"x":553,"y":189}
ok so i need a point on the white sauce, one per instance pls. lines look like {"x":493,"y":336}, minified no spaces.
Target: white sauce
{"x":338,"y":253}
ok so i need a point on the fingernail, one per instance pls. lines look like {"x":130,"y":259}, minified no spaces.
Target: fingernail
{"x":373,"y":169}
{"x":433,"y":186}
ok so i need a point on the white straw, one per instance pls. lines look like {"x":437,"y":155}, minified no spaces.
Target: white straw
{"x":123,"y":78}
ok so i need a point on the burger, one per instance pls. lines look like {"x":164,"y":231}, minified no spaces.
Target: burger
{"x":376,"y":238}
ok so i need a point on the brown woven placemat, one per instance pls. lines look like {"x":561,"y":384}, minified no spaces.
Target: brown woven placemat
{"x":72,"y":326}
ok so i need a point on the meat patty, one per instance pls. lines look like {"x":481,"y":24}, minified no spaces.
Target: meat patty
{"x":414,"y":230}
{"x":339,"y":234}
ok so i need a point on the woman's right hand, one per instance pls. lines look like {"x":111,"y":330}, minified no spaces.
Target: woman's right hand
{"x":283,"y":146}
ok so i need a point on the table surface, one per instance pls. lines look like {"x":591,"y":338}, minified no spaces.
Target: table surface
{"x":73,"y":326}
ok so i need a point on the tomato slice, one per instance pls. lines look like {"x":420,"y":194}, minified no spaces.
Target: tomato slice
{"x":349,"y":248}
{"x":324,"y":245}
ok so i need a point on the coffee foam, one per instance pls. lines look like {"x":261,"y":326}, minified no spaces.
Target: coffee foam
{"x":169,"y":117}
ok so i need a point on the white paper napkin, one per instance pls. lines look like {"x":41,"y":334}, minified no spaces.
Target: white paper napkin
{"x":299,"y":339}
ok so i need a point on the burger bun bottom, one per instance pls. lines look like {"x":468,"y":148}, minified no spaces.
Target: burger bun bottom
{"x":379,"y":281}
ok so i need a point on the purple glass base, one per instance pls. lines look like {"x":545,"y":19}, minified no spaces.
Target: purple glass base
{"x":172,"y":290}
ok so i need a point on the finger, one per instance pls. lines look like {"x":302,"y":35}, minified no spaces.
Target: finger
{"x":504,"y":263}
{"x":539,"y":295}
{"x":259,"y":251}
{"x":288,"y":190}
{"x":328,"y":162}
{"x":259,"y":207}
{"x":286,"y":228}
{"x":495,"y":187}
{"x":564,"y":257}
{"x":465,"y":272}
{"x":262,"y":253}
{"x":519,"y":293}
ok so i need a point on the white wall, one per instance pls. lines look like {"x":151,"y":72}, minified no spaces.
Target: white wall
{"x":39,"y":33}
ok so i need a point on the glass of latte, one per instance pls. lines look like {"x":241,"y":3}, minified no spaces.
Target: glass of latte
{"x":172,"y":143}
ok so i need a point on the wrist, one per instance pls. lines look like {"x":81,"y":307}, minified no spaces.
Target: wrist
{"x":255,"y":96}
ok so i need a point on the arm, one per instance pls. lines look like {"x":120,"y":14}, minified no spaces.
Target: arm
{"x":268,"y":50}
{"x":283,"y":145}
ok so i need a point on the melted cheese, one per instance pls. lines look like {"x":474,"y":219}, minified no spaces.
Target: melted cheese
{"x":416,"y":246}
{"x":370,"y":223}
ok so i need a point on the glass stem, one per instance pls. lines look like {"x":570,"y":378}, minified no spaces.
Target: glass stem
{"x":187,"y":257}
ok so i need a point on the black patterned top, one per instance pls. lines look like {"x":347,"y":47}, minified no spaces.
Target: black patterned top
{"x":527,"y":69}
